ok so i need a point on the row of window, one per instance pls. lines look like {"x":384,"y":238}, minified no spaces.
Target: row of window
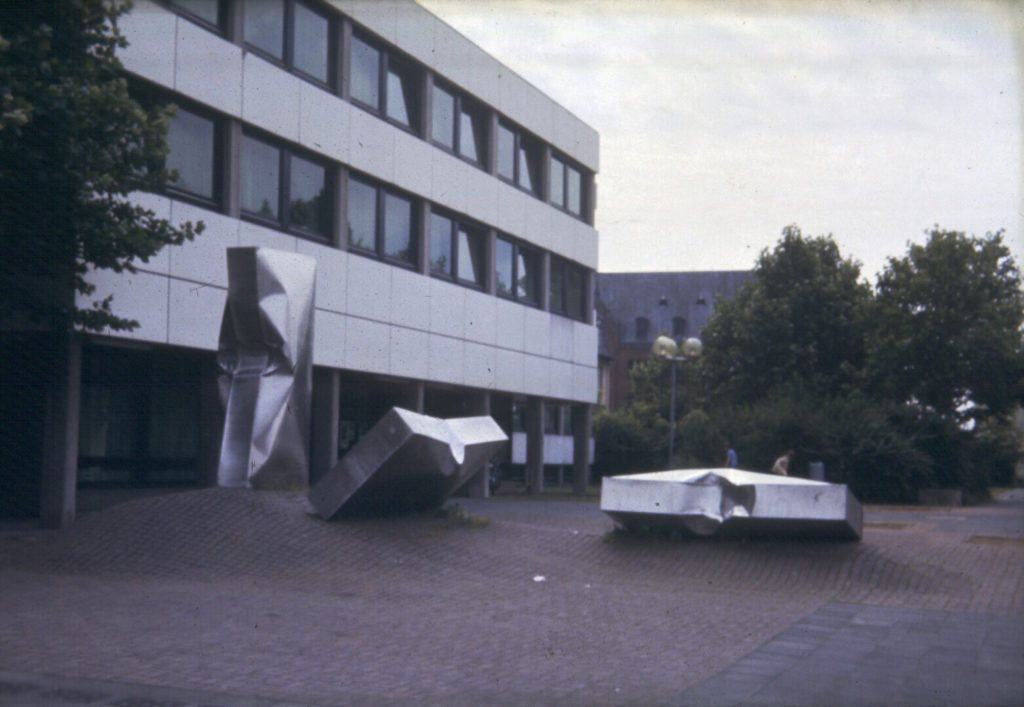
{"x":287,"y":188}
{"x":302,"y":37}
{"x":642,"y":328}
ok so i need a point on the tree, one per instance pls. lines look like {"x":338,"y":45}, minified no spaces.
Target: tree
{"x":799,"y":318}
{"x":73,"y":144}
{"x":947,"y":327}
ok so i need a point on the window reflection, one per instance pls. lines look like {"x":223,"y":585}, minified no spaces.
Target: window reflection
{"x":362,"y":214}
{"x":365,"y":73}
{"x":470,"y":257}
{"x":307,"y":194}
{"x":191,"y":139}
{"x":440,"y":245}
{"x":503,"y":267}
{"x":443,"y":117}
{"x":264,"y":26}
{"x":573,"y":202}
{"x":468,"y":136}
{"x":557,"y":182}
{"x":397,"y":227}
{"x":311,"y":33}
{"x":260,"y":178}
{"x":506,"y":153}
{"x":397,"y":102}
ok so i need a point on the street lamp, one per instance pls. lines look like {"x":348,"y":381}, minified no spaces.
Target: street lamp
{"x":665,"y":347}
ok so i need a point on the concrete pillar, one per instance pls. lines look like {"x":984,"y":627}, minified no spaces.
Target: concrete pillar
{"x":582,"y":425}
{"x":534,"y":445}
{"x":211,"y":424}
{"x":479,"y":486}
{"x":324,"y":429}
{"x":60,"y":434}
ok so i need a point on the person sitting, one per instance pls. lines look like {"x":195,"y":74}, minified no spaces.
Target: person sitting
{"x":781,"y":466}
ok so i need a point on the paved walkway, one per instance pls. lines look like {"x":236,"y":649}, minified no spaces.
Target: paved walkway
{"x":228,"y":597}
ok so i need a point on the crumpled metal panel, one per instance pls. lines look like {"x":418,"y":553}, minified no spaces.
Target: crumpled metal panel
{"x":266,"y":355}
{"x":406,"y":462}
{"x":706,"y":502}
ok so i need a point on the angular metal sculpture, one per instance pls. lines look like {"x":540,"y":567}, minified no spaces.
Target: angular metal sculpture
{"x":266,"y":354}
{"x":706,"y":502}
{"x":406,"y":462}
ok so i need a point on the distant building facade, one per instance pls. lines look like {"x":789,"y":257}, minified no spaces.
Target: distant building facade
{"x":634,"y":308}
{"x":449,"y":205}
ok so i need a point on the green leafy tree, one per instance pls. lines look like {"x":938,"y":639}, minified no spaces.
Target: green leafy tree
{"x":800,"y":317}
{"x":947,"y":327}
{"x":73,"y":144}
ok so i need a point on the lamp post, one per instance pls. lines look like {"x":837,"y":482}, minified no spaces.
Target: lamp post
{"x":665,"y":347}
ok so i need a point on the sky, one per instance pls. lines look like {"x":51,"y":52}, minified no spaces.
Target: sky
{"x":721,"y":123}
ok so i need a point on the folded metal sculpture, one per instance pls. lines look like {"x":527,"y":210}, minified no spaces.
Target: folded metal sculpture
{"x":266,"y":355}
{"x":406,"y":462}
{"x":706,"y":502}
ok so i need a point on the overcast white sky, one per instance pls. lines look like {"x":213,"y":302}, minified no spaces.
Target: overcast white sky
{"x":723,"y":122}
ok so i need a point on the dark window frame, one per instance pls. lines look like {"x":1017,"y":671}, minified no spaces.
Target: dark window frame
{"x":407,"y":70}
{"x":518,"y":248}
{"x":567,"y":166}
{"x":378,"y":250}
{"x":477,"y":233}
{"x":216,"y":203}
{"x":462,"y":104}
{"x":522,"y":141}
{"x":562,"y":283}
{"x":287,"y":60}
{"x":283,"y":222}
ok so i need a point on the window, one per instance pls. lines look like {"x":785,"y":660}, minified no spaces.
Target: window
{"x":384,"y":83}
{"x":518,"y":158}
{"x":567,"y":293}
{"x":457,"y":124}
{"x":643,"y":329}
{"x":566,"y":186}
{"x":517,"y":272}
{"x":283,"y":188}
{"x":291,"y":33}
{"x":380,"y":222}
{"x":456,"y":250}
{"x":678,"y":328}
{"x":193,"y":141}
{"x":204,"y":12}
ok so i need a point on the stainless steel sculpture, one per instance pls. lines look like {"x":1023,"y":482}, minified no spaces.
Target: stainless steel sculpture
{"x":266,"y":354}
{"x":406,"y":462}
{"x":706,"y":502}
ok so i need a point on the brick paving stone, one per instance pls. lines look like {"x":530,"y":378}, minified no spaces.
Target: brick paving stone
{"x":235,"y":595}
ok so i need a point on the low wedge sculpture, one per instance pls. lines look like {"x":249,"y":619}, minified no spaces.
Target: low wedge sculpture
{"x":406,"y":462}
{"x":704,"y":502}
{"x":266,"y":355}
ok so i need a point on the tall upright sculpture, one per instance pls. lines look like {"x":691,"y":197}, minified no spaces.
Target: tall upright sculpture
{"x":266,"y":355}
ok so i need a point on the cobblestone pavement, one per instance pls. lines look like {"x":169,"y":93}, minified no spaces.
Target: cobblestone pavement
{"x":229,"y":597}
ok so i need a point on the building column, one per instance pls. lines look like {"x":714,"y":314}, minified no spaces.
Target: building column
{"x":414,"y":397}
{"x":60,"y":434}
{"x":582,"y":425}
{"x":479,"y":485}
{"x":534,"y":445}
{"x":211,"y":423}
{"x":324,"y":429}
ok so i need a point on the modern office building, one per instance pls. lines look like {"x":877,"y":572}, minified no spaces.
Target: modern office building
{"x":448,"y":203}
{"x":635,"y":308}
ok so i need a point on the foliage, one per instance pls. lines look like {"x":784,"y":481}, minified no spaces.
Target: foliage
{"x":630,"y":440}
{"x":947,"y":331}
{"x":799,"y":318}
{"x":876,"y":385}
{"x":73,"y":144}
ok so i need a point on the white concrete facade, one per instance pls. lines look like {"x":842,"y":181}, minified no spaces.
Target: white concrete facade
{"x":371,"y":316}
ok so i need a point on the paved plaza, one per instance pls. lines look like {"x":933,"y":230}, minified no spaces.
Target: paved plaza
{"x":231,"y":597}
